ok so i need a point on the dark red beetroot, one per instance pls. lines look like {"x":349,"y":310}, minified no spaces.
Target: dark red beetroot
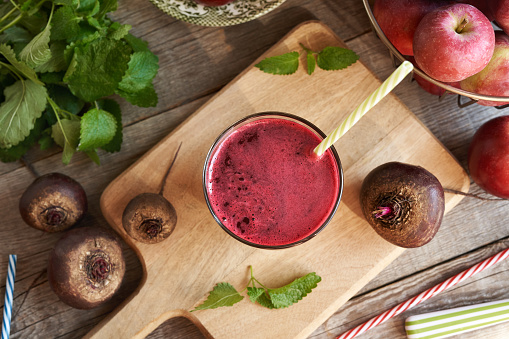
{"x":403,"y":203}
{"x":488,"y":157}
{"x":86,"y":267}
{"x":149,"y":217}
{"x":53,"y":202}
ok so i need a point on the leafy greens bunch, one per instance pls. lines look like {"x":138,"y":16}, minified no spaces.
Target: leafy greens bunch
{"x":58,"y":60}
{"x":224,"y":294}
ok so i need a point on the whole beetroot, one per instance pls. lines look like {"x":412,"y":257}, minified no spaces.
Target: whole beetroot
{"x":53,"y":202}
{"x":403,"y":203}
{"x":86,"y":267}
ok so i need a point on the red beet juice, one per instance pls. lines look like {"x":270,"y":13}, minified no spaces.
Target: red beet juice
{"x":265,"y":185}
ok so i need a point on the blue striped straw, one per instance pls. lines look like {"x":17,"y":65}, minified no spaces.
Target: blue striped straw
{"x":9,"y":291}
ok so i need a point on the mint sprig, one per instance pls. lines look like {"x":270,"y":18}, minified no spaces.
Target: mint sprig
{"x":224,"y":294}
{"x":330,"y":58}
{"x":59,"y":59}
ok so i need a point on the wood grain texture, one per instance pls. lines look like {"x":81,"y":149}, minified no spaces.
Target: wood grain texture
{"x":188,"y":55}
{"x":325,"y":99}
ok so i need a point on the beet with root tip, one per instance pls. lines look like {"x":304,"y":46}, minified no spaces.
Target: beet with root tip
{"x":403,"y":203}
{"x":150,"y":217}
{"x":53,"y":202}
{"x":86,"y":267}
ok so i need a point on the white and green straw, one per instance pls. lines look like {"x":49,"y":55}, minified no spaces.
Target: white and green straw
{"x":385,"y":88}
{"x":446,"y":323}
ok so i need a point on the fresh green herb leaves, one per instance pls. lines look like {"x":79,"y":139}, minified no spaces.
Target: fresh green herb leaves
{"x":98,"y":127}
{"x":330,"y":58}
{"x":225,"y":294}
{"x":335,"y":58}
{"x":280,"y":64}
{"x":97,"y":68}
{"x":58,"y":60}
{"x":24,"y":102}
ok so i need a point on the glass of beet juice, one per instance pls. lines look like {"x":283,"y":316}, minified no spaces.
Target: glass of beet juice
{"x":264,"y":185}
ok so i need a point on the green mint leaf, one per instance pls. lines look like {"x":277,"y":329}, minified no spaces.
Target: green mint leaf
{"x":335,"y":58}
{"x":107,"y":6}
{"x":97,"y":68}
{"x":16,"y":152}
{"x":264,"y":300}
{"x":66,"y":134}
{"x":17,"y":36}
{"x":142,"y":68}
{"x":254,"y":293}
{"x":93,"y":155}
{"x":136,"y":85}
{"x":311,"y":63}
{"x":118,"y":31}
{"x":281,"y":64}
{"x":65,"y":99}
{"x":137,"y":44}
{"x":37,"y":52}
{"x":45,"y":142}
{"x":24,"y":103}
{"x":287,"y":295}
{"x":65,"y":24}
{"x":147,"y":97}
{"x":223,"y":294}
{"x":98,"y":127}
{"x":74,"y":4}
{"x":28,"y":72}
{"x":89,"y":7}
{"x":113,"y":107}
{"x":52,"y":77}
{"x":35,"y":21}
{"x":14,"y":35}
{"x":56,"y":62}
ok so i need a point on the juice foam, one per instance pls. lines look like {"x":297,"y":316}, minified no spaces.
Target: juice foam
{"x":265,"y":185}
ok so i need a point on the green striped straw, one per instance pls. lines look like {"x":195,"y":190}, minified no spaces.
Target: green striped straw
{"x":388,"y":85}
{"x":446,"y":323}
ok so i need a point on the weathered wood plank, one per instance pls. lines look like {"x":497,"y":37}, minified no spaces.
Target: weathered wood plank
{"x":213,"y":52}
{"x":490,"y":285}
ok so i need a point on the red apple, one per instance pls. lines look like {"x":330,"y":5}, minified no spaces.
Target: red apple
{"x":427,"y":85}
{"x":431,"y":87}
{"x":213,"y":2}
{"x":494,"y":78}
{"x":482,"y":5}
{"x":453,"y":42}
{"x":500,"y":10}
{"x":399,"y":18}
{"x":488,"y":157}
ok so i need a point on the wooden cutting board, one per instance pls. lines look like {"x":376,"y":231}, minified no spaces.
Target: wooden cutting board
{"x":180,"y":271}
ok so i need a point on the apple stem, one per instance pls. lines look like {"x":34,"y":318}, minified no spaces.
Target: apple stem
{"x":462,"y":25}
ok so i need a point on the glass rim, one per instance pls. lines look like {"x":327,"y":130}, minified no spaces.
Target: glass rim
{"x":258,"y":116}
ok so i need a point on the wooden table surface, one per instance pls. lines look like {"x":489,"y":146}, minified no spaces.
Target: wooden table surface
{"x":195,"y":63}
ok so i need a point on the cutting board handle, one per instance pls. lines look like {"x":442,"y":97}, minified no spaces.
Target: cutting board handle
{"x":130,"y":320}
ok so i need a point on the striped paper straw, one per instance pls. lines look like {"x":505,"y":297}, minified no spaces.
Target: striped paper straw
{"x":9,"y":291}
{"x":425,"y":295}
{"x":446,"y":323}
{"x":388,"y":85}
